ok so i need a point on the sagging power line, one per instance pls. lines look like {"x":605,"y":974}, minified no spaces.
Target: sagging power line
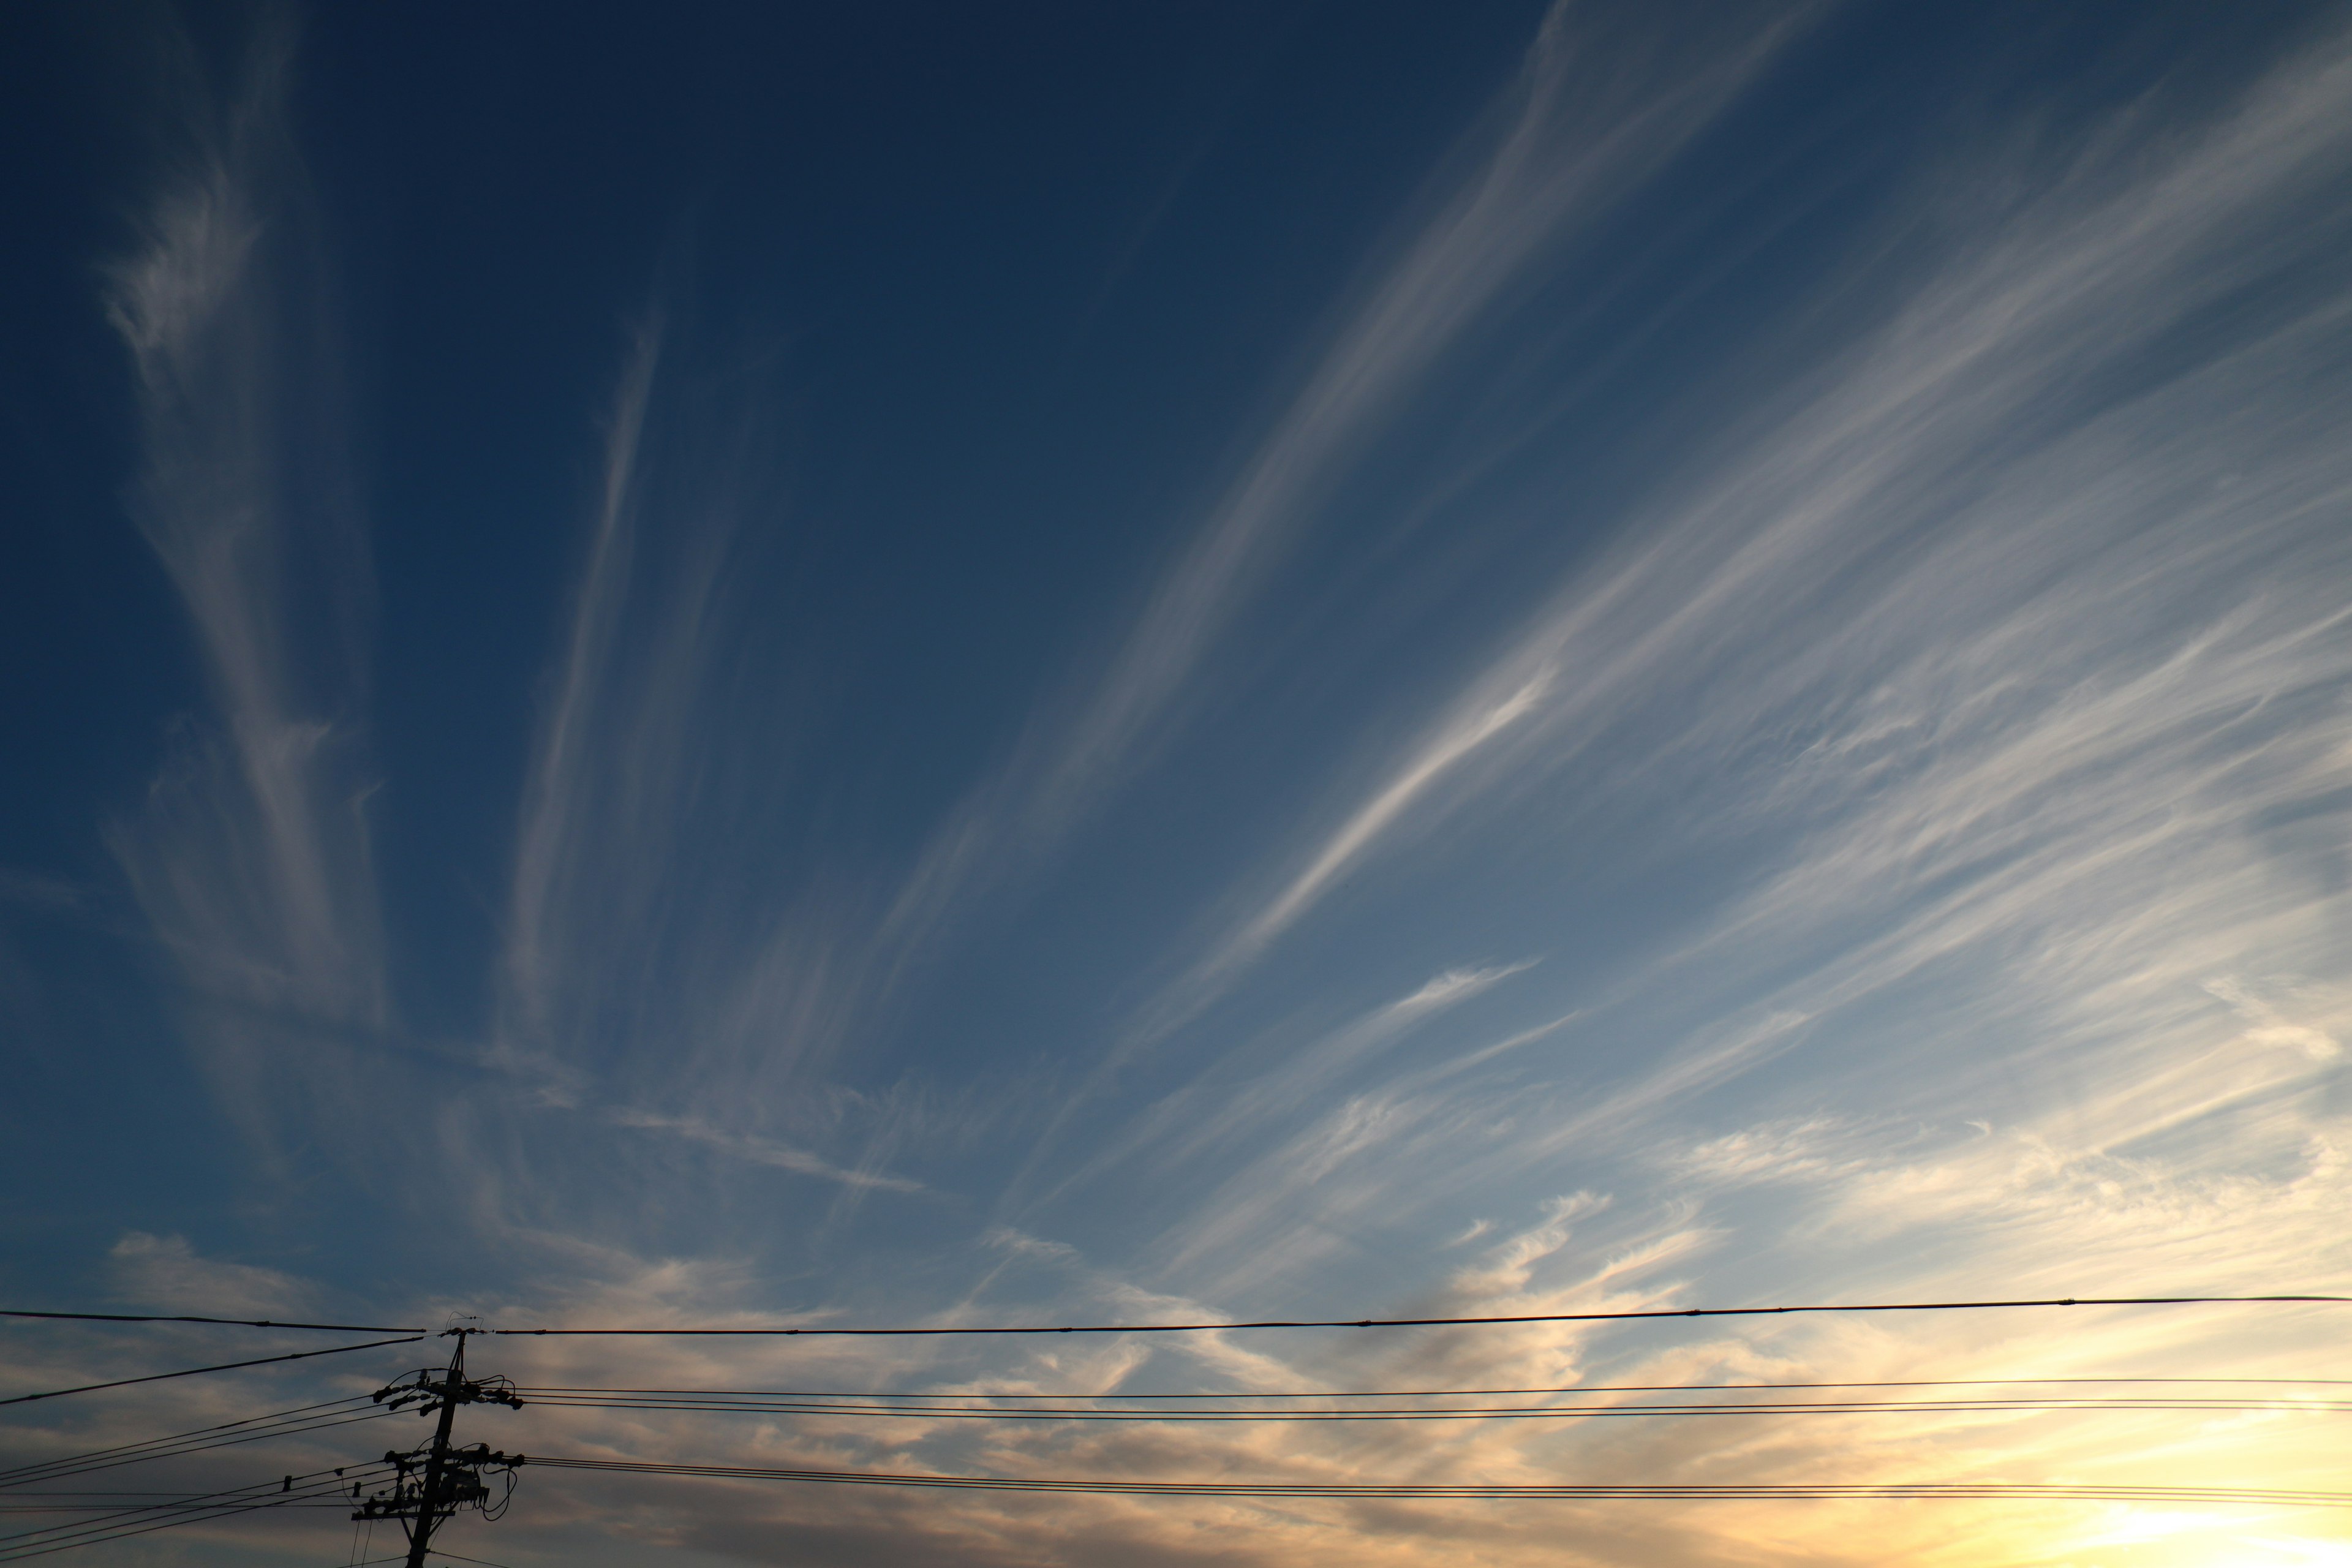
{"x":194,"y":1370}
{"x":319,"y":1488}
{"x":935,"y":1411}
{"x":294,"y":1423}
{"x":1616,"y":1317}
{"x":2272,"y":1497}
{"x":222,"y":1322}
{"x":425,"y":1486}
{"x":1626,"y":1316}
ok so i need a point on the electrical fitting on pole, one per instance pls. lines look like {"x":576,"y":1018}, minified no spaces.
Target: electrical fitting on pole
{"x":434,"y":1479}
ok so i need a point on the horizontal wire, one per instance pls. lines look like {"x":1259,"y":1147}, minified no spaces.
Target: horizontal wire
{"x":2274,"y":1496}
{"x":1440,"y":1322}
{"x":110,"y":1507}
{"x":313,"y":1481}
{"x":1461,"y":1393}
{"x":61,"y":1469}
{"x":1557,"y":1412}
{"x":96,"y":1535}
{"x":324,"y":1492}
{"x":1204,"y":1328}
{"x":966,"y":1406}
{"x":193,"y":1371}
{"x":275,"y":1415}
{"x":317,"y":1487}
{"x":226,"y":1323}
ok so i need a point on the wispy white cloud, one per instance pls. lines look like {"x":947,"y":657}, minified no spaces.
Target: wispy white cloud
{"x":1599,"y":106}
{"x":2022,"y":560}
{"x":669,"y":946}
{"x":760,"y":1150}
{"x":1993,"y":696}
{"x":562,"y":764}
{"x":2016,"y":708}
{"x":251,"y":855}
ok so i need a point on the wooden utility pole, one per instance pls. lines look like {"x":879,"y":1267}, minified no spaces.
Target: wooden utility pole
{"x":451,"y":1477}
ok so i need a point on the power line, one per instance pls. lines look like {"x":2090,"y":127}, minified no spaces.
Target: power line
{"x":292,"y":1423}
{"x":315,"y":1488}
{"x":547,"y":1389}
{"x":285,"y":1431}
{"x":193,"y":1371}
{"x":1446,"y":1323}
{"x":120,"y":1504}
{"x":1208,"y":1327}
{"x":1456,"y":1413}
{"x":299,"y":1410}
{"x":230,"y":1322}
{"x":1988,"y":1489}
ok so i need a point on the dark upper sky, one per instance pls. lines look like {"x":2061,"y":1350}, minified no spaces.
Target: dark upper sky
{"x":932,"y":663}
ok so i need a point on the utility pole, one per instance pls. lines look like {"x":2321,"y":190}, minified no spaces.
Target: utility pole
{"x":428,"y":1508}
{"x":451,"y":1477}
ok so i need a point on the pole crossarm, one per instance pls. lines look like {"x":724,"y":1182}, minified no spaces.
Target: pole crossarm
{"x":432,"y":1482}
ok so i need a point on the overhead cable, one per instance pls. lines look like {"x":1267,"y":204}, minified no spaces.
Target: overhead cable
{"x":2272,"y":1496}
{"x":230,"y":1322}
{"x":1212,"y":1327}
{"x":1447,"y":1322}
{"x":317,"y":1488}
{"x":907,"y":1411}
{"x":339,"y":1413}
{"x":545,"y":1389}
{"x":193,"y":1371}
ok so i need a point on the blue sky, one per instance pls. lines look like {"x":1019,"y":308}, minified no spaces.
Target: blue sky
{"x":944,"y":665}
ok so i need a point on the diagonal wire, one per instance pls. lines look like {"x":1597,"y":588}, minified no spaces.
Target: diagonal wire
{"x":193,"y":1371}
{"x":549,"y":1389}
{"x":1440,"y":1322}
{"x":227,"y":1425}
{"x":1456,"y":1413}
{"x":229,"y":1323}
{"x":318,"y":1487}
{"x":160,"y":1448}
{"x":2254,"y":1495}
{"x":315,"y":1482}
{"x":8,"y":1476}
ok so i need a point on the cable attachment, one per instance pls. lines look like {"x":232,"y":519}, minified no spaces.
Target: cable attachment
{"x":464,"y":1481}
{"x":428,"y":1390}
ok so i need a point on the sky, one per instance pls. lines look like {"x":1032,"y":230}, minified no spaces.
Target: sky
{"x":932,"y":666}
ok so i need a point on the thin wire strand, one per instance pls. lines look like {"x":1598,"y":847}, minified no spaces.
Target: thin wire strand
{"x":299,"y":1410}
{"x":223,"y":1511}
{"x":61,"y":1469}
{"x":1444,"y":1323}
{"x":312,"y":1480}
{"x":550,"y":1389}
{"x":1457,"y":1412}
{"x":138,"y":1522}
{"x":229,"y":1323}
{"x":1205,"y":1327}
{"x":194,"y":1370}
{"x":2272,"y":1496}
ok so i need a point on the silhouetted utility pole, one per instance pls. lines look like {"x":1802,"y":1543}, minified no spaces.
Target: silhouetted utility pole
{"x":451,"y":1477}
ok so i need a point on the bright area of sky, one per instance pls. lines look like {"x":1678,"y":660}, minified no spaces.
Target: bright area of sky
{"x":947,"y":664}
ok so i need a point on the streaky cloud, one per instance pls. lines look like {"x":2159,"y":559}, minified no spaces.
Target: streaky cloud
{"x":250,"y":859}
{"x":1600,"y":105}
{"x":1727,"y":603}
